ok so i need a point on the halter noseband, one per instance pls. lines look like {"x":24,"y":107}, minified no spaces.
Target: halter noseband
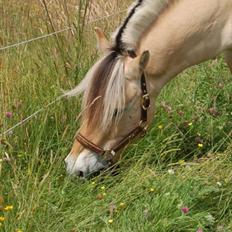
{"x":108,"y":155}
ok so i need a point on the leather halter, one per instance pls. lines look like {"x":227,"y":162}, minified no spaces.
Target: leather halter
{"x":141,"y":129}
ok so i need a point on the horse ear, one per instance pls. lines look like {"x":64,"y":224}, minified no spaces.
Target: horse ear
{"x":102,"y":42}
{"x":144,"y":59}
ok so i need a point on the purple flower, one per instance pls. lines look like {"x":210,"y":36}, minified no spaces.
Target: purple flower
{"x":9,"y":114}
{"x":185,"y":210}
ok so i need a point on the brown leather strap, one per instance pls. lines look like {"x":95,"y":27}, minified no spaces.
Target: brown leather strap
{"x":88,"y":144}
{"x":109,"y":155}
{"x":133,"y":134}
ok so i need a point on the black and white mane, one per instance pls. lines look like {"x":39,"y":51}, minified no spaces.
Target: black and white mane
{"x":141,"y":14}
{"x":104,"y":84}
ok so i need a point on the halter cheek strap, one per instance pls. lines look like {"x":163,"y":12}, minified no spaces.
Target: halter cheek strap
{"x":88,"y":144}
{"x":141,"y":129}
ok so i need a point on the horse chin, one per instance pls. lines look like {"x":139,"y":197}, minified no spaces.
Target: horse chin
{"x":86,"y":165}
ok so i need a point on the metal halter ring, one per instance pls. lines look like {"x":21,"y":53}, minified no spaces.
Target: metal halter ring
{"x":145,"y":101}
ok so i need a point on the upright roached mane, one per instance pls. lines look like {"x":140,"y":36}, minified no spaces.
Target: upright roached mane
{"x":141,"y":15}
{"x":104,"y":84}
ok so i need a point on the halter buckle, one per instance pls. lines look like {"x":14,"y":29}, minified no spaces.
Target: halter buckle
{"x":145,"y":101}
{"x":144,"y":126}
{"x":109,"y":154}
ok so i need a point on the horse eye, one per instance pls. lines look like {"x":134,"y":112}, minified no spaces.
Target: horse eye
{"x":115,"y":112}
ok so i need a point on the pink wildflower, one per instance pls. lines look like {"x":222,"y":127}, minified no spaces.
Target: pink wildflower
{"x":199,"y":230}
{"x":9,"y":114}
{"x":185,"y":210}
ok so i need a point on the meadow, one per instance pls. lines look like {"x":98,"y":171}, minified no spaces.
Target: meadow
{"x":176,"y":179}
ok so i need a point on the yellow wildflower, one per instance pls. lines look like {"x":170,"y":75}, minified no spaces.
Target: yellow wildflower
{"x":181,"y":162}
{"x":93,"y":183}
{"x":200,"y":145}
{"x":160,"y":127}
{"x":190,"y":124}
{"x":18,"y":230}
{"x":110,"y":221}
{"x":103,"y":187}
{"x":2,"y":219}
{"x":8,"y":207}
{"x":104,"y":194}
{"x":122,"y":205}
{"x":152,"y":190}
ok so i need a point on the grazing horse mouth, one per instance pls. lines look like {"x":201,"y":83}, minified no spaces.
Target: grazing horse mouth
{"x":141,"y":129}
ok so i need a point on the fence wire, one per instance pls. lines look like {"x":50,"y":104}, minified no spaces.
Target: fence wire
{"x":10,"y":130}
{"x":56,"y":32}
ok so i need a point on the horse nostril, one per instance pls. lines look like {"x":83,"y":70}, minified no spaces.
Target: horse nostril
{"x":80,"y":174}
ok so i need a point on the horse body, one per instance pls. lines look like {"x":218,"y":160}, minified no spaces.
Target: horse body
{"x":188,"y":33}
{"x":185,"y":33}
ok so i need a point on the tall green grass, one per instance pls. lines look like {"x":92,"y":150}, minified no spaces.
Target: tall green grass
{"x":156,"y":177}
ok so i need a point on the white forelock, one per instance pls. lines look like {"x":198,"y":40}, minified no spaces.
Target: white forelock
{"x":114,"y":97}
{"x":114,"y":100}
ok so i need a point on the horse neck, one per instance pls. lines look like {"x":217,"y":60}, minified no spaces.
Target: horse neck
{"x":182,"y":37}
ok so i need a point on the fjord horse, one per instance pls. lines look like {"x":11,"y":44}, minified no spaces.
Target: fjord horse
{"x":158,"y":40}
